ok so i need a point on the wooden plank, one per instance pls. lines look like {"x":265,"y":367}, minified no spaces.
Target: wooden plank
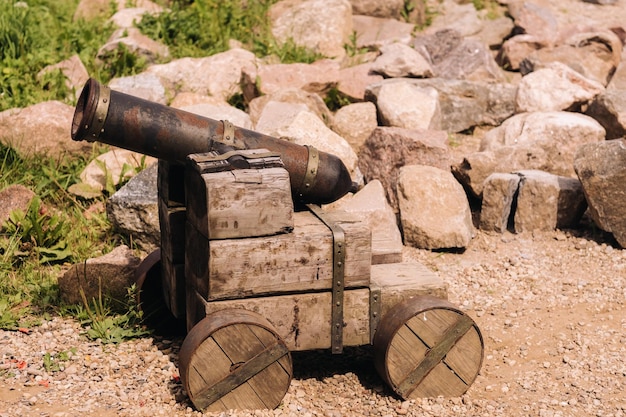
{"x":174,"y":286}
{"x":172,"y":227}
{"x":303,"y":320}
{"x":292,"y":262}
{"x":465,"y":358}
{"x":405,"y":351}
{"x":239,"y":203}
{"x":441,"y":381}
{"x":403,"y":280}
{"x":171,"y":183}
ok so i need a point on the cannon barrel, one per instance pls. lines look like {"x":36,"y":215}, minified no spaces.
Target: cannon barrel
{"x":132,"y":123}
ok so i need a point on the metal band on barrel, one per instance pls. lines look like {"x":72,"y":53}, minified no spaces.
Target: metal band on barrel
{"x":100,"y":114}
{"x":228,"y":137}
{"x":310,"y":175}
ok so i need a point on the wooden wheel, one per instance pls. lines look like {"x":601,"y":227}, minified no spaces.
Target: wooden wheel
{"x":234,"y":359}
{"x":426,"y":347}
{"x":151,"y":300}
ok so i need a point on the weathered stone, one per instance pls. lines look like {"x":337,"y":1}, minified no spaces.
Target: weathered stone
{"x":494,"y":32}
{"x":136,"y":43}
{"x":593,"y":54}
{"x":355,"y":123}
{"x":405,"y":105}
{"x":499,"y":190}
{"x":318,"y":77}
{"x":130,"y":17}
{"x":133,"y":209}
{"x":548,"y":139}
{"x":108,"y":275}
{"x":389,"y":148}
{"x":374,"y":32}
{"x":322,"y":26}
{"x":601,"y":168}
{"x":464,"y":104}
{"x":221,"y":112}
{"x":290,"y":96}
{"x":516,"y":49}
{"x":462,"y":16}
{"x":475,"y":168}
{"x":24,"y":129}
{"x":435,"y":47}
{"x":277,"y":116}
{"x":371,"y":205}
{"x":434,"y":209}
{"x":471,"y":60}
{"x":354,"y":80}
{"x":305,"y":128}
{"x":609,"y":109}
{"x":186,"y":98}
{"x":555,"y":87}
{"x":218,"y":75}
{"x":73,"y":70}
{"x":400,"y":60}
{"x":145,"y":85}
{"x":114,"y":167}
{"x":618,"y":80}
{"x":14,"y":197}
{"x":387,"y":8}
{"x":534,"y":19}
{"x":546,"y":202}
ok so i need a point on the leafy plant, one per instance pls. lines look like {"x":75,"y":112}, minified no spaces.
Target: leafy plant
{"x":103,"y":324}
{"x":56,"y":362}
{"x":40,"y":233}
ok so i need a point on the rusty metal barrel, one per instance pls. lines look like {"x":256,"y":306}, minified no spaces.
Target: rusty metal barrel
{"x":132,"y":123}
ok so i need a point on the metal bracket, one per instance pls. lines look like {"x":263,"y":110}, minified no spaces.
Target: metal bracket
{"x":339,"y":255}
{"x":227,"y":138}
{"x":100,"y":114}
{"x":310,"y":175}
{"x":375,"y":311}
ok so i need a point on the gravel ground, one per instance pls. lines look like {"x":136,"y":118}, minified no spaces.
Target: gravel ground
{"x":550,"y":307}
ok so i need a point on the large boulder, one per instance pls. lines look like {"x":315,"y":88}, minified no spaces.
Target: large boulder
{"x":43,"y":128}
{"x":601,"y":168}
{"x":434,"y":209}
{"x":109,"y":275}
{"x":389,"y":148}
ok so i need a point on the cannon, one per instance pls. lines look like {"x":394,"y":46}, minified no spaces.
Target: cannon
{"x":251,"y":267}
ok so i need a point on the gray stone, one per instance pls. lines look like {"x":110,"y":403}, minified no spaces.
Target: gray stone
{"x":471,"y":60}
{"x":609,"y":109}
{"x":601,"y":168}
{"x":400,"y":60}
{"x":462,"y":16}
{"x":595,"y":55}
{"x":354,"y":80}
{"x":73,"y":70}
{"x":133,"y":209}
{"x":498,"y":195}
{"x":405,"y":105}
{"x":546,"y":202}
{"x":548,"y":139}
{"x":221,"y":112}
{"x":371,"y":205}
{"x":389,"y":148}
{"x":555,"y":87}
{"x":135,"y":43}
{"x":218,"y":75}
{"x":377,"y":8}
{"x":374,"y":32}
{"x":434,"y":209}
{"x":534,"y":19}
{"x":318,"y":77}
{"x":516,"y":49}
{"x":464,"y":104}
{"x":108,"y":275}
{"x":322,"y":26}
{"x":145,"y":85}
{"x":290,"y":96}
{"x":355,"y":123}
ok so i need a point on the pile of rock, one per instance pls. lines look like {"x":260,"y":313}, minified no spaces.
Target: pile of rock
{"x":540,"y":88}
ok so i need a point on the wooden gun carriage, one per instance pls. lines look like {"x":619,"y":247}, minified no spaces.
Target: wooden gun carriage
{"x":252,"y":272}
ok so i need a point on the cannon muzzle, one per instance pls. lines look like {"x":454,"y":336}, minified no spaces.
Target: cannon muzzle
{"x":132,"y":123}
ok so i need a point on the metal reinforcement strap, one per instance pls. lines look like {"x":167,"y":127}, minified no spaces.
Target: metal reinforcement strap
{"x":339,"y":255}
